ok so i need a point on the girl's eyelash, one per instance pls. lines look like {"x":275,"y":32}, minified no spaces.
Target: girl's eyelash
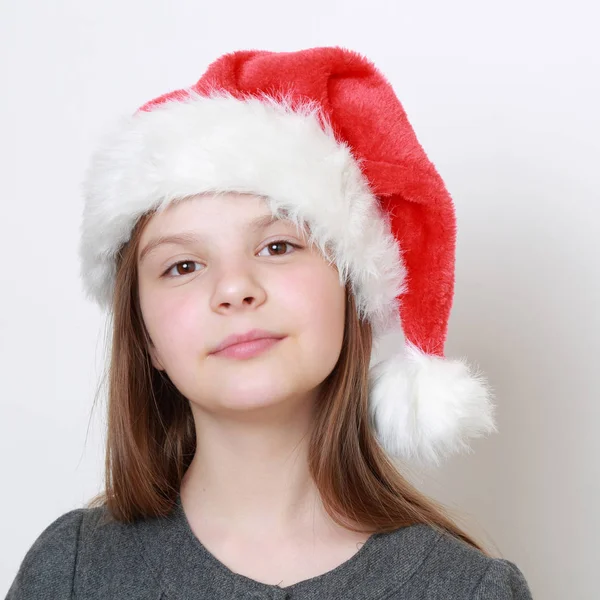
{"x":165,"y":274}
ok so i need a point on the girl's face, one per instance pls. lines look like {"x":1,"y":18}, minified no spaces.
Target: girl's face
{"x":229,"y":276}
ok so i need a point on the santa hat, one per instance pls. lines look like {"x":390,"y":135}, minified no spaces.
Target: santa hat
{"x":321,"y":135}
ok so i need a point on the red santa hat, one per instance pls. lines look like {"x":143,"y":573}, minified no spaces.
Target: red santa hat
{"x":322,"y":136}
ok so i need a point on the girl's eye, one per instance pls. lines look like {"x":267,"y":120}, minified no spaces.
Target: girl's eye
{"x":185,"y":267}
{"x":280,"y":243}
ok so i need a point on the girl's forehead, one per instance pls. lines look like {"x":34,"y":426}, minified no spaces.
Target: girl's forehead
{"x":209,"y":211}
{"x":210,"y":224}
{"x":207,"y":214}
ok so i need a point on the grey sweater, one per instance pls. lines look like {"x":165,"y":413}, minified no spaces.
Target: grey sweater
{"x":80,"y":556}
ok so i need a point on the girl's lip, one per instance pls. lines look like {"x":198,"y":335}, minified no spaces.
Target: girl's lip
{"x":248,"y":349}
{"x":240,"y":338}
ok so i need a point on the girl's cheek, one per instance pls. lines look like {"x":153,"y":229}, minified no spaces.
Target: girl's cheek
{"x":307,"y":294}
{"x":303,"y":278}
{"x":182,"y":312}
{"x":172,"y":317}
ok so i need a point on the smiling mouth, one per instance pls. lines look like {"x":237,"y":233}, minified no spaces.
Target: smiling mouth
{"x":248,"y":349}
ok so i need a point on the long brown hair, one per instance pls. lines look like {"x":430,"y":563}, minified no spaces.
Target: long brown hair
{"x":151,"y":437}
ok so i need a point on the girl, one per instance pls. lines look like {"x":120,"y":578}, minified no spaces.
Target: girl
{"x":276,"y":253}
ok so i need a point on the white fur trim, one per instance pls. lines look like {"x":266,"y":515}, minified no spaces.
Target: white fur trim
{"x":261,"y":146}
{"x":425,"y":408}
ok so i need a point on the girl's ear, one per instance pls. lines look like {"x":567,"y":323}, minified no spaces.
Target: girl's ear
{"x":154,"y":355}
{"x":156,"y":362}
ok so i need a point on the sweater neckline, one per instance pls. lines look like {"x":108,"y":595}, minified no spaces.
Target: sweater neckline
{"x":188,"y":570}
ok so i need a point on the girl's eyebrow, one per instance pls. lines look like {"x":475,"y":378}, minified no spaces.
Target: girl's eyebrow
{"x":189,"y":237}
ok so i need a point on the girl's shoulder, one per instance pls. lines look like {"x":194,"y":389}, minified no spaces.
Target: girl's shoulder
{"x":49,"y":563}
{"x":58,"y":561}
{"x":452,"y":568}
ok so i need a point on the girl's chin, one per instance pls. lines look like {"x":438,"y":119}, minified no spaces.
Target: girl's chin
{"x":244,"y":397}
{"x":250,"y":401}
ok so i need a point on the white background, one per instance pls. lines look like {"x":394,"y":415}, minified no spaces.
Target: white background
{"x":503,"y":96}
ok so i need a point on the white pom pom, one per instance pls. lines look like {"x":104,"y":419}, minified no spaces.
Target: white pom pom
{"x":425,"y":407}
